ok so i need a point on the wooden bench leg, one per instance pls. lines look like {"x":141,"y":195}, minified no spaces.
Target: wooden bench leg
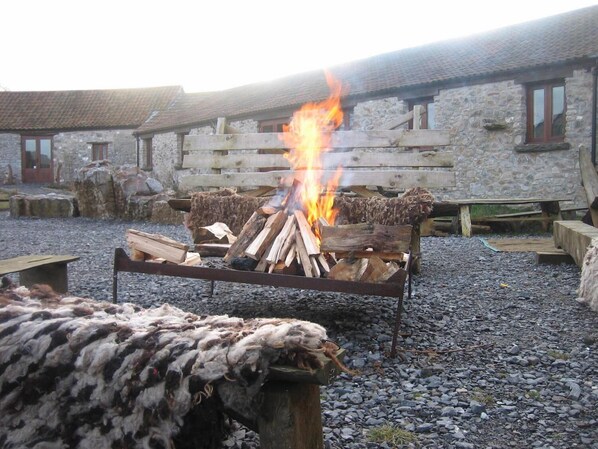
{"x":290,"y":416}
{"x":550,"y":209}
{"x":465,"y":220}
{"x":55,"y":275}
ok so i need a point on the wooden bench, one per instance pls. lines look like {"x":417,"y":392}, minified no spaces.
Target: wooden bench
{"x":39,"y":269}
{"x":550,"y":209}
{"x":575,"y":237}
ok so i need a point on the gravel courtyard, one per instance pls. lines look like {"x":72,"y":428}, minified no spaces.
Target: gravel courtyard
{"x":500,"y":355}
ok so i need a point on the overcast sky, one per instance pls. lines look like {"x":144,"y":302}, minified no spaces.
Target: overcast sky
{"x":210,"y":45}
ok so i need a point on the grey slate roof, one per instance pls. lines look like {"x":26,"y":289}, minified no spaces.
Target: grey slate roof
{"x":82,"y":109}
{"x":565,"y":38}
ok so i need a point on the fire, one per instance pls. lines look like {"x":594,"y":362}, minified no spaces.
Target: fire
{"x":309,"y":135}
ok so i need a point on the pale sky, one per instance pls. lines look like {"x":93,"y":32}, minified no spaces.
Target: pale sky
{"x":207,"y":45}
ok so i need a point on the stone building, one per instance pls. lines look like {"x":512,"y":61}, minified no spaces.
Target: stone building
{"x":46,"y":135}
{"x":518,"y":102}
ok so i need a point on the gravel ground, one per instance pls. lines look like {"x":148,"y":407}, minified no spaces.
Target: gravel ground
{"x":500,"y":355}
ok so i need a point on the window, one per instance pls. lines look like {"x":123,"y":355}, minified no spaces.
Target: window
{"x":428,"y":117}
{"x":99,"y":151}
{"x":347,"y":120}
{"x":180,"y":142}
{"x":148,"y":150}
{"x":273,"y":126}
{"x":546,"y":112}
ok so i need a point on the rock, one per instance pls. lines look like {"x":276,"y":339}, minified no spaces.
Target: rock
{"x":423,"y":428}
{"x":126,"y":192}
{"x":514,"y":350}
{"x":49,"y":205}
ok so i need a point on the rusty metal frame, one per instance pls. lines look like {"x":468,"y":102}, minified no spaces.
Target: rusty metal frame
{"x":122,"y":262}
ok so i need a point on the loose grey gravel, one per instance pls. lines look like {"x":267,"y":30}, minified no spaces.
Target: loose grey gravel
{"x":497,"y":352}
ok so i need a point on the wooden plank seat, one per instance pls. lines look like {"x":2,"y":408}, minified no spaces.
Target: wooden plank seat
{"x":549,"y":209}
{"x":40,"y":269}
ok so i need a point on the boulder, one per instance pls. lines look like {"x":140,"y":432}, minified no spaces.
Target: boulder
{"x":50,"y":205}
{"x":163,"y":213}
{"x":94,"y":188}
{"x":123,"y":192}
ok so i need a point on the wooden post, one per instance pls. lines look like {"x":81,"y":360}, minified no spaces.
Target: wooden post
{"x":590,"y":182}
{"x":417,"y":115}
{"x":465,"y":220}
{"x":550,"y":208}
{"x":221,"y":126}
{"x":290,"y":416}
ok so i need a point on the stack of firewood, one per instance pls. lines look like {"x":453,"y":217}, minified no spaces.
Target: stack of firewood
{"x":160,"y":249}
{"x":280,"y":241}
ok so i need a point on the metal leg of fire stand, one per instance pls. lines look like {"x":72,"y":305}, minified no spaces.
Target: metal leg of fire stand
{"x":115,"y":285}
{"x":212,"y":288}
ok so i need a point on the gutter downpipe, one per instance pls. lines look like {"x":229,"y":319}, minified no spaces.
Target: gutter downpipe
{"x":594,"y":107}
{"x":137,"y":148}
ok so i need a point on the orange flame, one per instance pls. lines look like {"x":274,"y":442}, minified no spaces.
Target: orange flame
{"x":309,"y":136}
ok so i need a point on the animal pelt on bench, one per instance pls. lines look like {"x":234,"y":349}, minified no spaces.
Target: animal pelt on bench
{"x":588,"y":286}
{"x":79,"y":373}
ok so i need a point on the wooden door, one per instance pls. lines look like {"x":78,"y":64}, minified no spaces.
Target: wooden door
{"x":37,"y":159}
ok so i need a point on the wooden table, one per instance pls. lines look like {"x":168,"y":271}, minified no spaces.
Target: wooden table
{"x":40,"y":269}
{"x":549,"y":206}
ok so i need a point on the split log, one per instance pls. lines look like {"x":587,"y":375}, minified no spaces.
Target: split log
{"x":302,"y":255}
{"x":157,"y":246}
{"x":348,"y":269}
{"x":375,"y":270}
{"x":288,"y":261}
{"x":266,"y":237}
{"x":274,"y":255}
{"x":308,"y":237}
{"x":251,"y":229}
{"x":192,"y":259}
{"x":362,"y":236}
{"x":385,"y":256}
{"x":212,"y":249}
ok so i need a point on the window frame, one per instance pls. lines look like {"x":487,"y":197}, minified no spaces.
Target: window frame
{"x":148,"y":159}
{"x":547,"y":87}
{"x":99,"y":149}
{"x":276,"y":124}
{"x":424,"y":101}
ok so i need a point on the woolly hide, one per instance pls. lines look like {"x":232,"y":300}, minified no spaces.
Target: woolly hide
{"x":588,"y":287}
{"x":412,"y":208}
{"x":79,"y":373}
{"x":224,"y":205}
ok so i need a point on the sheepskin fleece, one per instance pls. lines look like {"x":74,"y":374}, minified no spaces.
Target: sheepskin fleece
{"x":79,"y":373}
{"x":588,"y":287}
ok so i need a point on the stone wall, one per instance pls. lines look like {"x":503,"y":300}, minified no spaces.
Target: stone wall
{"x":73,"y":149}
{"x":10,"y":154}
{"x":488,"y":163}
